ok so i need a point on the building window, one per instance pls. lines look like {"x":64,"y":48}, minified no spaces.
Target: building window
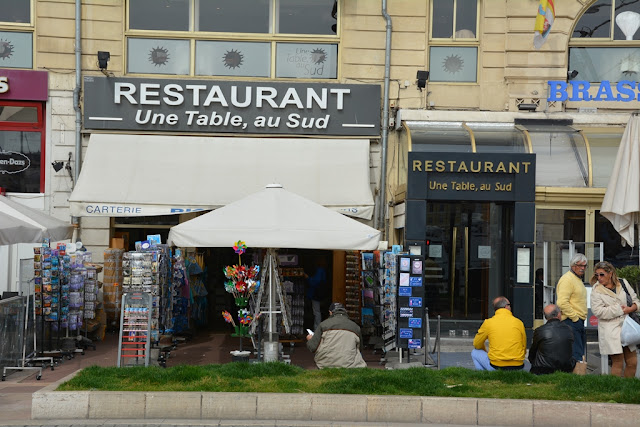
{"x":16,"y":36}
{"x":242,"y":38}
{"x":602,"y":43}
{"x":453,"y":51}
{"x":15,"y":11}
{"x":22,"y":139}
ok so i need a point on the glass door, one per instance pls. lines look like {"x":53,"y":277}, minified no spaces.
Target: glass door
{"x":468,"y":257}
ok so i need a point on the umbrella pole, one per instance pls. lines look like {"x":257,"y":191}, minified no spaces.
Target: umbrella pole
{"x":271,"y":271}
{"x":271,"y":343}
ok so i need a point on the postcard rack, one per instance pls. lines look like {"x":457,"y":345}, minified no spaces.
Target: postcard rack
{"x":134,"y":344}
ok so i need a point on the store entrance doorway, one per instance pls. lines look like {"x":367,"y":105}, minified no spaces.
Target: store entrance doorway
{"x":469,"y":255}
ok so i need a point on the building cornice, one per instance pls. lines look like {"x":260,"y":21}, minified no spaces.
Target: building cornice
{"x":579,"y":119}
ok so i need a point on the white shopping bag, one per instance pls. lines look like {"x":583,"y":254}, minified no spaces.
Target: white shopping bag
{"x":630,"y":334}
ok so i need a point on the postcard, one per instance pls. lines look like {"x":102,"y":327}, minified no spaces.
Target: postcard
{"x":404,"y":279}
{"x":415,"y":322}
{"x":406,"y":312}
{"x":415,"y":281}
{"x":404,"y":291}
{"x":406,"y":333}
{"x":416,"y":266}
{"x":415,"y":302}
{"x":415,"y":343}
{"x":405,"y":264}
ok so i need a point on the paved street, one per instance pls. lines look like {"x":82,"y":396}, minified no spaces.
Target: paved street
{"x":225,"y":423}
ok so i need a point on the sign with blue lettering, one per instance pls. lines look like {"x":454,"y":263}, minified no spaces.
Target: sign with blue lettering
{"x":578,"y":90}
{"x":414,"y":343}
{"x":415,"y":322}
{"x":406,"y":333}
{"x":415,"y":302}
{"x":404,"y":291}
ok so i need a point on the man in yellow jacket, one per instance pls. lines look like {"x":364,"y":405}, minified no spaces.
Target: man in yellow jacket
{"x":507,"y":340}
{"x":571,"y":297}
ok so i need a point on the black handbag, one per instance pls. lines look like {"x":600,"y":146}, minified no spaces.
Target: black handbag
{"x":634,"y":316}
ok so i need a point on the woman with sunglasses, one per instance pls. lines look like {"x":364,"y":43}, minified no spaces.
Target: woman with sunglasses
{"x":609,"y":305}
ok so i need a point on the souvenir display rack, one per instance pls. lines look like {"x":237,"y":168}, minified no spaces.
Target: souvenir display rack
{"x":149,"y":271}
{"x":140,"y":274}
{"x":176,"y":306}
{"x":389,"y":289}
{"x":293,"y":284}
{"x":59,"y":295}
{"x":371,"y":294}
{"x":90,"y":294}
{"x":74,"y":319}
{"x":353,"y":294}
{"x":134,"y":343}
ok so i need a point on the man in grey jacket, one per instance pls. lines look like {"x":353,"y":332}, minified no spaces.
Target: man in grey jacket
{"x":337,"y":341}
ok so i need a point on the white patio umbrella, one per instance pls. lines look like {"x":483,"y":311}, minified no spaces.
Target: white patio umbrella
{"x":275,"y":218}
{"x":21,"y":224}
{"x":621,"y":204}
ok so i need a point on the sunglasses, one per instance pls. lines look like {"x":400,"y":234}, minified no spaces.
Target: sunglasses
{"x":601,"y":274}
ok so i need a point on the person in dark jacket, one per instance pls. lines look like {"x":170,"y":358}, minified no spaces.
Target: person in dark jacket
{"x":337,"y":341}
{"x":552,"y":345}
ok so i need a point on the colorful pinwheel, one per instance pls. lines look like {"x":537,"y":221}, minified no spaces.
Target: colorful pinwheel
{"x":244,"y":317}
{"x":240,"y":247}
{"x":228,"y":318}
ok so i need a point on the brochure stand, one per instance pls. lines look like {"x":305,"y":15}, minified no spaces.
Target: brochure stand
{"x":410,"y":302}
{"x":134,"y":344}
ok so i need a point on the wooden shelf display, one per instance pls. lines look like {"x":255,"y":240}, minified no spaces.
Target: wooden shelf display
{"x":353,"y":298}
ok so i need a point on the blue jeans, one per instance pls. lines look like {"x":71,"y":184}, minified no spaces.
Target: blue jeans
{"x":579,"y":337}
{"x":481,"y":360}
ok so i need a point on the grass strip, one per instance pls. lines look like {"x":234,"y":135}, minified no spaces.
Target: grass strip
{"x":276,"y":377}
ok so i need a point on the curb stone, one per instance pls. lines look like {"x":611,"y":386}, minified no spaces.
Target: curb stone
{"x":91,"y":405}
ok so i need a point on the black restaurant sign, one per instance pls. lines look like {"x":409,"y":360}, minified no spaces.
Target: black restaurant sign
{"x":209,"y":106}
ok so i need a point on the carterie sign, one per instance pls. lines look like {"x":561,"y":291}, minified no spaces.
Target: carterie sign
{"x":231,"y":107}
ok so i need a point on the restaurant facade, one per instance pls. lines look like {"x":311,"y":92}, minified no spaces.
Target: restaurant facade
{"x":437,"y":122}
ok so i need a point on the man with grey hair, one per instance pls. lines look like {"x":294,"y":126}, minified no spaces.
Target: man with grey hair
{"x":507,"y":340}
{"x":571,"y":297}
{"x":552,"y":345}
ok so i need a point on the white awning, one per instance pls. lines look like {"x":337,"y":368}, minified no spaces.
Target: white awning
{"x":146,"y":175}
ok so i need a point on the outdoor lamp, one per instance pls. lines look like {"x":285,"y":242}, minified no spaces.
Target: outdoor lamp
{"x":422,"y":77}
{"x":103,"y":59}
{"x":57,"y":165}
{"x":527,"y":107}
{"x":572,"y":74}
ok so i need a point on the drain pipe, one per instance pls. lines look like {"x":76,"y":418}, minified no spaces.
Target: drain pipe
{"x":76,"y":107}
{"x":381,"y":220}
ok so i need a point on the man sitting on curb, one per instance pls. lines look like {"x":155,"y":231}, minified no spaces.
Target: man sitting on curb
{"x":337,"y":340}
{"x":507,"y":340}
{"x":552,"y":345}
